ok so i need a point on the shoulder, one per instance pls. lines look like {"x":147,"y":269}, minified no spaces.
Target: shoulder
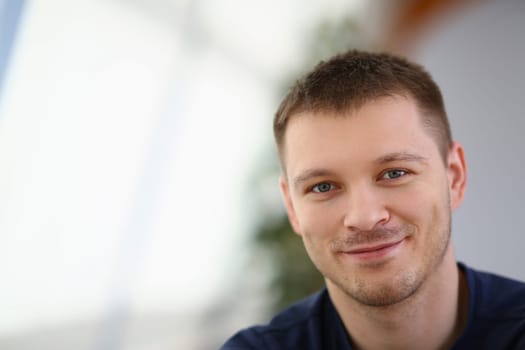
{"x":290,"y":326}
{"x":496,"y":297}
{"x":496,"y":312}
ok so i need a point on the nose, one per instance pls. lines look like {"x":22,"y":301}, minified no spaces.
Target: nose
{"x":366,"y":209}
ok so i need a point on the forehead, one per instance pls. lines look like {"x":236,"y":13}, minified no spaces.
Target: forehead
{"x":384,"y":126}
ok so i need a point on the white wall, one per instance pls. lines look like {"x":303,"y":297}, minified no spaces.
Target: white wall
{"x":478,"y":57}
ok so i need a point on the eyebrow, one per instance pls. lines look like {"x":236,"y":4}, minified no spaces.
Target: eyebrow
{"x":401,"y":156}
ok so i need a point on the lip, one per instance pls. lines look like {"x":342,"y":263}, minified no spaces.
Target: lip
{"x":375,"y":252}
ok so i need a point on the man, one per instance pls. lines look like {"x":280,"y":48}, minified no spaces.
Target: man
{"x":370,"y":178}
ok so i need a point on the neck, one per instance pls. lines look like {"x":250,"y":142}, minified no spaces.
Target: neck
{"x":432,"y":318}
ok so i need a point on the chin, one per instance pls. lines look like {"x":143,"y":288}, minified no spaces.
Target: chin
{"x":382,"y":293}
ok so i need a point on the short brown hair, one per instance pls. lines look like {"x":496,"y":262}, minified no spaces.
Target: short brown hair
{"x":349,"y":80}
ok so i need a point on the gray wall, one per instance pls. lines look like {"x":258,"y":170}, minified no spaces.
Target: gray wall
{"x":478,"y":59}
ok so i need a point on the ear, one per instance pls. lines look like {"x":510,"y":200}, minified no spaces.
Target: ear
{"x":457,"y":174}
{"x":285,"y":190}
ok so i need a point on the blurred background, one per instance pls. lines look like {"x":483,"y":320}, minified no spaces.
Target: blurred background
{"x":139,"y":202}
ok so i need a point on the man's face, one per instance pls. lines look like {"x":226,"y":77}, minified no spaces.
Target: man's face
{"x":371,"y":197}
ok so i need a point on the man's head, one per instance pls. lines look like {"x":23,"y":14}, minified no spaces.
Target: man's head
{"x":371,"y":175}
{"x":349,"y":80}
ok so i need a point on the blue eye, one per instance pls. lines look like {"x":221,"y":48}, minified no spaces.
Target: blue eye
{"x":394,"y":174}
{"x":323,"y":187}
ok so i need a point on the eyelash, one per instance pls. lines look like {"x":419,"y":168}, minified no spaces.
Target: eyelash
{"x":313,"y":188}
{"x":403,"y":172}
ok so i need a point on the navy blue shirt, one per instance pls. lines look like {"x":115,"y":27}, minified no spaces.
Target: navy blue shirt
{"x":496,"y":320}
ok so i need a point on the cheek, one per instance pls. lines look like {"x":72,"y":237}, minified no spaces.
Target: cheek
{"x":416,"y":204}
{"x":415,"y":207}
{"x":318,"y":221}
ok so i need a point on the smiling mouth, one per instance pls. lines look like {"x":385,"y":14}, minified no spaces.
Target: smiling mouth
{"x":373,"y":248}
{"x":374,"y":252}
